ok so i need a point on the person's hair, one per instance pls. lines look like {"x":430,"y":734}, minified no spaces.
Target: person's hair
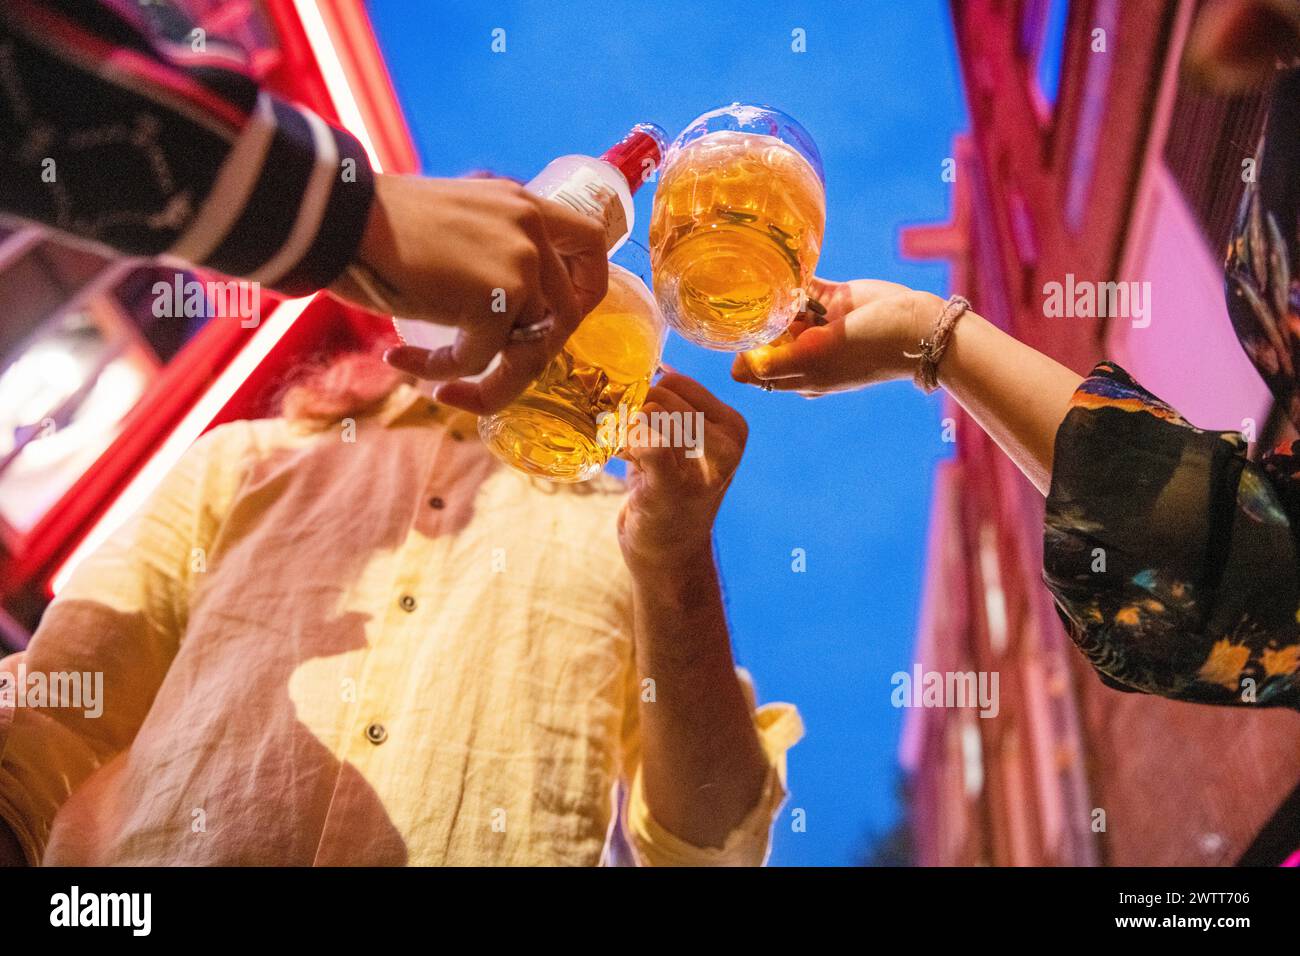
{"x":349,"y":385}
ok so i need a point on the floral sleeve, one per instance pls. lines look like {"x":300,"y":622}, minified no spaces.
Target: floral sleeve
{"x":1172,"y":558}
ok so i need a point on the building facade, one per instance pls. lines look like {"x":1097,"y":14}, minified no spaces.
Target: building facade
{"x":1090,"y":158}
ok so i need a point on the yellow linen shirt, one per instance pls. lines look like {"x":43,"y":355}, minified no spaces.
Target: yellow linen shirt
{"x":383,"y":650}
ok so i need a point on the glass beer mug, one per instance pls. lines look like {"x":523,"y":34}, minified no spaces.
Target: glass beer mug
{"x":557,"y":428}
{"x":736,"y":226}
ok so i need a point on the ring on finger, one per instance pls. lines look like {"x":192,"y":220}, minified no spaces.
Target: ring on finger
{"x":532,"y":332}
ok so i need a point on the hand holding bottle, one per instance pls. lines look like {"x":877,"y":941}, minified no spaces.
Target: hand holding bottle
{"x":533,"y":255}
{"x":485,"y":256}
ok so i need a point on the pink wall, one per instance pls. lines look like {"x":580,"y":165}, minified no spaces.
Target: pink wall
{"x":1188,"y":355}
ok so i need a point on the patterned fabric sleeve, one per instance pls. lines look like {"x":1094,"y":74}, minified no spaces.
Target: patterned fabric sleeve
{"x":1173,"y":559}
{"x":121,"y":125}
{"x":1262,"y":271}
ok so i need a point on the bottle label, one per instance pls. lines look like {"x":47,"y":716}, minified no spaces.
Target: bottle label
{"x":585,"y":192}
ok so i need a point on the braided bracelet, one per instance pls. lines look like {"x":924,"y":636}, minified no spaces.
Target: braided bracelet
{"x":932,"y":349}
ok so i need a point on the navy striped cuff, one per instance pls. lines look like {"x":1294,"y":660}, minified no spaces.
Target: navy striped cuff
{"x":344,"y":223}
{"x":305,"y":216}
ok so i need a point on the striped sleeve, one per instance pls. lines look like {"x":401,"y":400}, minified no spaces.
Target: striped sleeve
{"x":121,"y":125}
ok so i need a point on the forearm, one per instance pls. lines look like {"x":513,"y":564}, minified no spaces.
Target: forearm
{"x":1015,"y":393}
{"x":703,"y":769}
{"x":250,"y":186}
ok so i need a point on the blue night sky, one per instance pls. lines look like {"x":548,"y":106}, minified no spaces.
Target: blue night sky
{"x":846,"y":478}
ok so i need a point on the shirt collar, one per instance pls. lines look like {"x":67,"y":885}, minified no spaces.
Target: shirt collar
{"x":409,"y":404}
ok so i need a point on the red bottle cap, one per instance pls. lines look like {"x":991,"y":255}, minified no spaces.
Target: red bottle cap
{"x":638,"y":154}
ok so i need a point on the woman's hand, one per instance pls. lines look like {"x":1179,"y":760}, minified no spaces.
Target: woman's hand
{"x":1018,"y":395}
{"x":484,"y":255}
{"x":870,"y":324}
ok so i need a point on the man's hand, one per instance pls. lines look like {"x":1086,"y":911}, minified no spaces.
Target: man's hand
{"x":450,"y":251}
{"x":703,"y":766}
{"x":667,"y":519}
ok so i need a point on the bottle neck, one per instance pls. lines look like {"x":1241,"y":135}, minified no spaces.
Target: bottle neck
{"x":638,"y":154}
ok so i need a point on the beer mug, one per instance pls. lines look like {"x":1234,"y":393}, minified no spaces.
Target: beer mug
{"x":558,"y":428}
{"x":737,"y":226}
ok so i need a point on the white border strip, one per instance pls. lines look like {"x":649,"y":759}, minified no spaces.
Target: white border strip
{"x":185,"y":434}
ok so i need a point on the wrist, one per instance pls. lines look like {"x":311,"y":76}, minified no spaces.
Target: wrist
{"x":924,"y":312}
{"x":376,"y":231}
{"x":673,"y":575}
{"x":680,"y":615}
{"x":913,"y":320}
{"x":936,"y":325}
{"x":364,"y":279}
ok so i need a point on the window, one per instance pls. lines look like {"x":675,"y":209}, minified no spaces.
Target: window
{"x":1092,"y":113}
{"x":1042,"y":46}
{"x":62,"y":398}
{"x":1051,"y":54}
{"x":81,"y":345}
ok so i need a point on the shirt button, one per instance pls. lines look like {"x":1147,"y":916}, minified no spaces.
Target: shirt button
{"x":376,"y":734}
{"x":407,"y":602}
{"x":437,"y":504}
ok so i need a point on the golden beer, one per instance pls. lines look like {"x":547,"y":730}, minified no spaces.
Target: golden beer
{"x":735,"y":234}
{"x":553,"y":429}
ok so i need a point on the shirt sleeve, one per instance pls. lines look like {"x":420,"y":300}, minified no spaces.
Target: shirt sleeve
{"x":123,"y":125}
{"x":1172,"y":557}
{"x":115,"y":627}
{"x":779,"y":728}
